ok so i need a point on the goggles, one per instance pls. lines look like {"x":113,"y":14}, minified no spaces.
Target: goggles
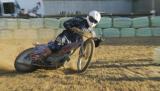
{"x":91,"y":19}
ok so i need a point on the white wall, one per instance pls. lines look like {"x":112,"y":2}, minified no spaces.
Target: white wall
{"x":53,"y":7}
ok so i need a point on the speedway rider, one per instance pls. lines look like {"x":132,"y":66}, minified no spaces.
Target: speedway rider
{"x":69,"y":36}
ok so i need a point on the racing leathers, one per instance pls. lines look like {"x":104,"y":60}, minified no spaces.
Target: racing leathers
{"x":67,"y":36}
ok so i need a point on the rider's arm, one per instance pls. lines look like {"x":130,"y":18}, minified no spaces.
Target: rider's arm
{"x":78,"y":25}
{"x":77,"y":22}
{"x":74,"y":22}
{"x":68,"y":24}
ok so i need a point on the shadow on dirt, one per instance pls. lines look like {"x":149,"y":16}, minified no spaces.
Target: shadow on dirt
{"x":123,"y":63}
{"x":69,"y":71}
{"x":95,"y":66}
{"x":134,"y":78}
{"x":39,"y":72}
{"x":132,"y":41}
{"x":10,"y":73}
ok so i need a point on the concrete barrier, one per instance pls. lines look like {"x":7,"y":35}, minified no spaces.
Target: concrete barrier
{"x":3,"y":23}
{"x":36,"y":23}
{"x":52,"y":23}
{"x":24,"y":24}
{"x":12,"y":23}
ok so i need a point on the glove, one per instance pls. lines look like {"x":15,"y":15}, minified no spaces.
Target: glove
{"x":97,"y":42}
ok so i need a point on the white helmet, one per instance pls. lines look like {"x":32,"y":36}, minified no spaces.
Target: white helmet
{"x":93,"y":18}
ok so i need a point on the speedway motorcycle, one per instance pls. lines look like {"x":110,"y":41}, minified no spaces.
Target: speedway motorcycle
{"x":25,"y":63}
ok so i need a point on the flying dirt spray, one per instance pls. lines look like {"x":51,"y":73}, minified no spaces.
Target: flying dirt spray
{"x":9,"y":49}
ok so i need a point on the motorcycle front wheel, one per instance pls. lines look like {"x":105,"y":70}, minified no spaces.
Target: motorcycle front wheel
{"x":85,"y":55}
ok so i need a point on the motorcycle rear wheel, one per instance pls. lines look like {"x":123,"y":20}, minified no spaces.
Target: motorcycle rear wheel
{"x":23,"y":62}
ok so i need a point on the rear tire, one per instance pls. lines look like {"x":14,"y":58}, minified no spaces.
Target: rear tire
{"x":23,"y":62}
{"x":87,"y":49}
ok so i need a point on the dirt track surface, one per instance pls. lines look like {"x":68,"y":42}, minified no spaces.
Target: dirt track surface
{"x":115,"y":67}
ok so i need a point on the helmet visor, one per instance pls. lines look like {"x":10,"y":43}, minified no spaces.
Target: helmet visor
{"x":91,"y":19}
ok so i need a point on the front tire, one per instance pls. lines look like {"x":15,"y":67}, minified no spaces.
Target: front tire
{"x":85,"y":55}
{"x":23,"y":62}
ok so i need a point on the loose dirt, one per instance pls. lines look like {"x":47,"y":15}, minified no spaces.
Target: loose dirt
{"x":116,"y":66}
